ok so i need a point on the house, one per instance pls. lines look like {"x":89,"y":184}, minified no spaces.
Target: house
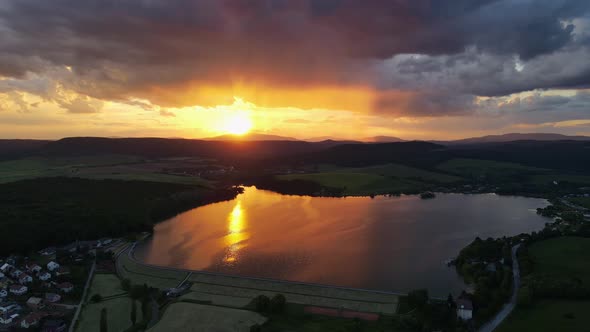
{"x":65,"y":287}
{"x":30,"y":320}
{"x":18,"y":289}
{"x":62,"y":270}
{"x":464,"y":309}
{"x":44,"y":276}
{"x":5,"y":268}
{"x":52,"y":297}
{"x":3,"y":293}
{"x":5,"y":282}
{"x":491,"y":267}
{"x":47,"y":251}
{"x":54,"y":325}
{"x":33,"y":267}
{"x":2,"y":275}
{"x":16,"y":273}
{"x":9,"y":313}
{"x":52,"y":266}
{"x":35,"y":303}
{"x":25,"y":279}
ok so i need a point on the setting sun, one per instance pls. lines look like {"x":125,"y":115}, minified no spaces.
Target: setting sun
{"x":237,"y":124}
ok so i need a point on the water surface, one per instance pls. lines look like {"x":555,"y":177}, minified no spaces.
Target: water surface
{"x":385,"y":243}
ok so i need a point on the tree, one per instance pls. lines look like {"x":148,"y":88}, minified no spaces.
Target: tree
{"x":126,"y":284}
{"x":418,"y":298}
{"x":133,"y":312}
{"x":261,"y":303}
{"x":524,"y":298}
{"x":277,"y":303}
{"x":96,"y":298}
{"x":103,"y":320}
{"x":255,"y":328}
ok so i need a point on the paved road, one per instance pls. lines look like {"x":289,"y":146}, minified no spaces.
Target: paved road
{"x":73,"y":323}
{"x":508,"y":307}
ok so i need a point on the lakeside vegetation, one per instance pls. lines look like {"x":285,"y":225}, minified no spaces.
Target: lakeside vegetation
{"x":60,"y":210}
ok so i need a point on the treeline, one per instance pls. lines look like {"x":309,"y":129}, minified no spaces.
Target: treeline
{"x":293,"y":187}
{"x":487,"y":265}
{"x":53,"y":211}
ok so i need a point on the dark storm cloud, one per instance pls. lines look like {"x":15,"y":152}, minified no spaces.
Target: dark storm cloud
{"x":124,"y":48}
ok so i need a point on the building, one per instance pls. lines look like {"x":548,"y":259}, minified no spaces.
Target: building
{"x":65,"y":287}
{"x":5,"y":268}
{"x":16,"y":273}
{"x":25,"y":279}
{"x":30,"y":320}
{"x":464,"y":309}
{"x":18,"y":289}
{"x":48,"y":251}
{"x":44,"y":276}
{"x":3,"y":293}
{"x":35,"y":303}
{"x":61,"y":271}
{"x":33,"y":267}
{"x":54,"y":325}
{"x":9,"y":313}
{"x":52,"y":297}
{"x":52,"y":266}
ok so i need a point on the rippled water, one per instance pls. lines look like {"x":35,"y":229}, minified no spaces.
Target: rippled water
{"x":394,"y":244}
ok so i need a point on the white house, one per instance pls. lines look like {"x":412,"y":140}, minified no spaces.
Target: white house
{"x":3,"y":293}
{"x":44,"y":276}
{"x":9,"y":313}
{"x":5,"y":267}
{"x":2,"y":275}
{"x":16,"y":273}
{"x":65,"y":287}
{"x":18,"y":289}
{"x":25,"y":279}
{"x":464,"y":309}
{"x":52,"y":266}
{"x":33,"y":267}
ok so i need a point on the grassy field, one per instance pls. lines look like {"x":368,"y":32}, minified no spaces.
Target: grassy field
{"x":117,"y":167}
{"x":476,"y":168}
{"x":154,"y":277}
{"x":550,"y":316}
{"x":374,"y":180}
{"x":581,"y":201}
{"x":118,"y":308}
{"x":563,"y":257}
{"x":195,"y":317}
{"x":549,"y":178}
{"x":309,"y":323}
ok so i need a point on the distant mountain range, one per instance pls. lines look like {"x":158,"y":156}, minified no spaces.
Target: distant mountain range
{"x":250,"y":137}
{"x":516,"y":137}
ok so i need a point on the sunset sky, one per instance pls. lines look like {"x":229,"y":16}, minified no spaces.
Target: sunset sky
{"x":416,"y":69}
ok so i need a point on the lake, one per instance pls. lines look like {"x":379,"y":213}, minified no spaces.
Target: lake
{"x":385,"y":243}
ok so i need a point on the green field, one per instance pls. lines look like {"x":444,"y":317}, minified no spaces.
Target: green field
{"x":141,"y":274}
{"x":549,"y":178}
{"x":477,"y":168}
{"x":559,"y":258}
{"x":375,"y":180}
{"x":195,"y":317}
{"x":117,"y":167}
{"x":118,"y":307}
{"x":563,"y":257}
{"x":582,"y":201}
{"x":550,"y":316}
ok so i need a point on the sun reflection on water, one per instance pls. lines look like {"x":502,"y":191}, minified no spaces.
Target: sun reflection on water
{"x":236,"y":233}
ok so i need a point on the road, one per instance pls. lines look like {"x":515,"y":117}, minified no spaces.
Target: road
{"x":73,"y":323}
{"x":508,"y":307}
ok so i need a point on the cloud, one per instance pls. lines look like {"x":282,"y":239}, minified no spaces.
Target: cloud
{"x":167,"y":113}
{"x":419,"y":57}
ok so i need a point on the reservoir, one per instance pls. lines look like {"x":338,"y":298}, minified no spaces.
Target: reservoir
{"x":385,"y":243}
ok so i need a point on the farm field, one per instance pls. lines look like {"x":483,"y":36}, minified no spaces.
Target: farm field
{"x":195,"y":317}
{"x":582,"y":201}
{"x":118,"y":308}
{"x":478,"y":168}
{"x":376,"y":179}
{"x":563,"y":257}
{"x":116,"y":167}
{"x":141,"y":274}
{"x":549,"y":316}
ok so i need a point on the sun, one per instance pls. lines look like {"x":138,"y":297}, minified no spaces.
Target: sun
{"x":237,"y":124}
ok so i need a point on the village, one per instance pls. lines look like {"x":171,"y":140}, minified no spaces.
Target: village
{"x":43,"y":290}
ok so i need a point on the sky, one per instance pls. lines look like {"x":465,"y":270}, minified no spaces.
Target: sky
{"x":415,"y":69}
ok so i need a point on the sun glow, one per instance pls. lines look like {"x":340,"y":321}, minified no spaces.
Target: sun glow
{"x":238,"y":123}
